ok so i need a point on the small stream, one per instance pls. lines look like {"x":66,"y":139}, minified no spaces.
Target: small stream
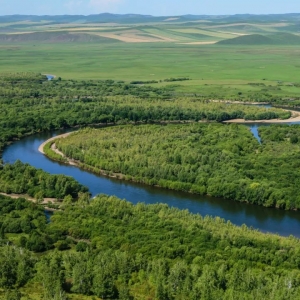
{"x":254,"y":126}
{"x":48,"y":215}
{"x":254,"y":130}
{"x":50,"y":77}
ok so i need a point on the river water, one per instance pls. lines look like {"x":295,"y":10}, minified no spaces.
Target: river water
{"x":50,"y":77}
{"x":265,"y":219}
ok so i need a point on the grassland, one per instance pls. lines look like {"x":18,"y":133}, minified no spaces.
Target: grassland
{"x":225,"y":70}
{"x":240,"y":66}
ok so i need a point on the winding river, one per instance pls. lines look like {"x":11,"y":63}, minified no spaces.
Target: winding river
{"x":284,"y":223}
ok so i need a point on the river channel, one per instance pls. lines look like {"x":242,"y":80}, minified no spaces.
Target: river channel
{"x":284,"y":223}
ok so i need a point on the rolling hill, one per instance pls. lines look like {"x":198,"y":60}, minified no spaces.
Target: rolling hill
{"x":259,"y":39}
{"x":54,"y":37}
{"x":134,"y":28}
{"x":136,"y":18}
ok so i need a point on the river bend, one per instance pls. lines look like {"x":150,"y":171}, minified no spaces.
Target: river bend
{"x":265,"y":219}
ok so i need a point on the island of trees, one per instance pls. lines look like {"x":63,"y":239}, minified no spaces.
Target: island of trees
{"x":215,"y":159}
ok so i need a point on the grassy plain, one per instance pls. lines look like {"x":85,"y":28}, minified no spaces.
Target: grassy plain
{"x":211,"y":67}
{"x":155,"y":51}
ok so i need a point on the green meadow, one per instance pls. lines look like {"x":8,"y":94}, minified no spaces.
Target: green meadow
{"x":210,"y":67}
{"x":227,"y":57}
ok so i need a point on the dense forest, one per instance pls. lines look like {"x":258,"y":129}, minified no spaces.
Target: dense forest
{"x":111,"y":249}
{"x":21,"y":178}
{"x":30,"y":103}
{"x":220,"y":160}
{"x":107,"y":248}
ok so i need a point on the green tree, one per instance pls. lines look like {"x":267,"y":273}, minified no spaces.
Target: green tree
{"x":51,"y":275}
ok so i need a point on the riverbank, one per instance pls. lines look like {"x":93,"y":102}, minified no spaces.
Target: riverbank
{"x":41,"y":147}
{"x":240,"y":102}
{"x":73,"y":162}
{"x":27,"y":197}
{"x":294,"y":118}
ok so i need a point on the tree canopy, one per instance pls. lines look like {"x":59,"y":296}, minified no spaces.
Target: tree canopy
{"x":111,"y":249}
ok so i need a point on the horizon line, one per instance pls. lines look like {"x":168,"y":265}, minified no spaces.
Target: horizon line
{"x":156,"y":16}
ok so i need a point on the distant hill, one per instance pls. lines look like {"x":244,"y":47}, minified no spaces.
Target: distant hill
{"x":136,"y":18}
{"x":292,"y":17}
{"x":53,"y":37}
{"x":259,"y":39}
{"x":135,"y":28}
{"x":100,"y":18}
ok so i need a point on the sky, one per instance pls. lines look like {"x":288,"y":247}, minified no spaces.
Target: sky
{"x":152,"y":7}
